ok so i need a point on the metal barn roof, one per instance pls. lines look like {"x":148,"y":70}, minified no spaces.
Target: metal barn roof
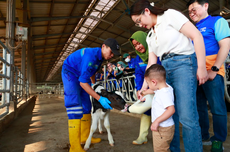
{"x":60,"y":27}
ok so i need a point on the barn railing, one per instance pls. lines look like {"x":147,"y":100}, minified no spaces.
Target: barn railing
{"x":10,"y":95}
{"x":126,"y":85}
{"x":5,"y":75}
{"x":18,"y":85}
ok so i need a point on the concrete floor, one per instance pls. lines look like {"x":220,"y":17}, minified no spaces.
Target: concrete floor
{"x":42,"y":127}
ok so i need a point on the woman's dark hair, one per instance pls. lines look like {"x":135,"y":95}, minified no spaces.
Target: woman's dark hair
{"x":139,"y":6}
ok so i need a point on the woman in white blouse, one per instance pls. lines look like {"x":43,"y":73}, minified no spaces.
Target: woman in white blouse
{"x":170,"y":38}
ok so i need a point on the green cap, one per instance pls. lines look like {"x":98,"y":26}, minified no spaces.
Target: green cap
{"x":125,"y":55}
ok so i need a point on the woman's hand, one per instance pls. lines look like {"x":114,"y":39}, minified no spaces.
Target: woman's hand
{"x":202,"y":75}
{"x":138,"y":94}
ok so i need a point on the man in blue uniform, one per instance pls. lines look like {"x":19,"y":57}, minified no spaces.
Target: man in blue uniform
{"x":216,"y":33}
{"x":78,"y":71}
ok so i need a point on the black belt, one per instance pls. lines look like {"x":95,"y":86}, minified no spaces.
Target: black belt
{"x":168,"y":55}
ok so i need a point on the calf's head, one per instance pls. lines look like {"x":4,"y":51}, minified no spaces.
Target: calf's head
{"x":116,"y":100}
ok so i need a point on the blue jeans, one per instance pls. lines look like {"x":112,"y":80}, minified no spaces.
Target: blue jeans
{"x":213,"y":92}
{"x":181,"y":75}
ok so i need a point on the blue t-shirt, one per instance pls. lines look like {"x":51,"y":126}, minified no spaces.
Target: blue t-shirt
{"x":84,"y":63}
{"x":213,"y":29}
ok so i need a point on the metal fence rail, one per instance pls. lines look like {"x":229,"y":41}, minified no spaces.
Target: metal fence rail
{"x":9,"y":74}
{"x":18,"y":85}
{"x":5,"y":65}
{"x":124,"y":85}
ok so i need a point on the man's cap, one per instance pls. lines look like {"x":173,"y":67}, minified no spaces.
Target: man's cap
{"x":113,"y":44}
{"x":125,"y":55}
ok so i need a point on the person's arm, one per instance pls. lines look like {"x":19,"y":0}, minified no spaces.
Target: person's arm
{"x":92,"y":78}
{"x":122,"y":68}
{"x":89,"y":90}
{"x":119,"y":72}
{"x":148,"y":91}
{"x":101,"y":77}
{"x":224,"y":45}
{"x":189,"y":30}
{"x":152,"y":60}
{"x":166,"y":115}
{"x":139,"y":75}
{"x":103,"y":100}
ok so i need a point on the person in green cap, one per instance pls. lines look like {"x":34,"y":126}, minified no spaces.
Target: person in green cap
{"x":128,"y":59}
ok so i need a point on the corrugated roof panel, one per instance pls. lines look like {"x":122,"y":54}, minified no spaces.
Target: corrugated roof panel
{"x":2,"y":32}
{"x":59,"y":21}
{"x":39,"y":30}
{"x":62,"y":9}
{"x":39,"y":9}
{"x":178,"y":5}
{"x":39,"y":23}
{"x":52,"y":41}
{"x":3,"y":8}
{"x":73,"y":21}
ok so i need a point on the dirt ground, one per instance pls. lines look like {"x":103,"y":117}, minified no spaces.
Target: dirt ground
{"x":42,"y":127}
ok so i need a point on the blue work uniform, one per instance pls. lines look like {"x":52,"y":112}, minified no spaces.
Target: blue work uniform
{"x":79,"y":67}
{"x":131,"y":63}
{"x":140,"y":68}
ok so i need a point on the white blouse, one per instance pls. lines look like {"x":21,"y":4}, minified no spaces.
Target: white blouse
{"x":166,"y":38}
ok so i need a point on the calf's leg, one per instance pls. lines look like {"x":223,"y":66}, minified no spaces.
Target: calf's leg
{"x":107,"y":126}
{"x":99,"y":126}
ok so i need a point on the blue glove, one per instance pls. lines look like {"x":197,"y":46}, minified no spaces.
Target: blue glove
{"x":105,"y":102}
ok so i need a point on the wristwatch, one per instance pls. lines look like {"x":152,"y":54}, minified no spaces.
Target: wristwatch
{"x":215,"y":69}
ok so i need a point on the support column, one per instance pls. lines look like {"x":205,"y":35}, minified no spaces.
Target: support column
{"x":10,"y":35}
{"x":10,"y":32}
{"x":28,"y":75}
{"x":23,"y":65}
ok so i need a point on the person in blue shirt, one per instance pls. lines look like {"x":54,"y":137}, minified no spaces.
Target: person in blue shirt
{"x":128,"y":59}
{"x":216,"y":34}
{"x":78,"y":71}
{"x":131,"y":63}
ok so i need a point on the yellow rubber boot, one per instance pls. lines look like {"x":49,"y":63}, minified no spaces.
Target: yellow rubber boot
{"x":75,"y":135}
{"x":144,"y":130}
{"x":85,"y":129}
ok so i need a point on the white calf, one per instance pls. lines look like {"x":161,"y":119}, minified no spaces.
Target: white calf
{"x":99,"y":113}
